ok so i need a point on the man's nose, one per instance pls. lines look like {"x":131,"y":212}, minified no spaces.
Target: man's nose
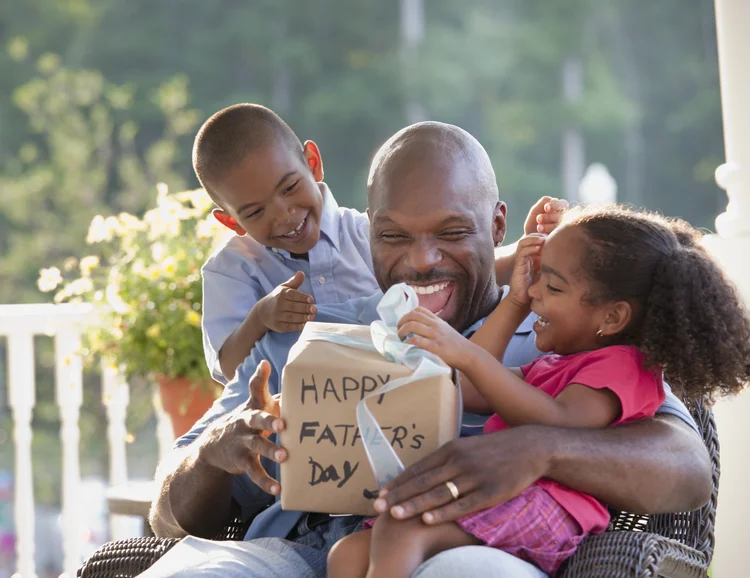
{"x":423,"y":256}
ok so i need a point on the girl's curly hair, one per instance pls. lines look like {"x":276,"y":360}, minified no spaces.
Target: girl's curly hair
{"x":688,"y":318}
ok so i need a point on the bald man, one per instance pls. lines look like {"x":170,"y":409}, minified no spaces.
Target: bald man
{"x":436,"y":220}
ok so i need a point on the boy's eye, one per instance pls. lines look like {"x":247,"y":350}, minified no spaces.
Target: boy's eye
{"x":290,"y":188}
{"x":255,"y":213}
{"x":552,"y":289}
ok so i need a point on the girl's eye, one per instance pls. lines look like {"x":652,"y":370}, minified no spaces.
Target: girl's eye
{"x":552,"y":289}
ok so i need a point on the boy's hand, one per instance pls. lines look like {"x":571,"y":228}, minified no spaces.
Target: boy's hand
{"x":428,"y":331}
{"x":525,"y":269}
{"x":545,"y":215}
{"x":287,"y":309}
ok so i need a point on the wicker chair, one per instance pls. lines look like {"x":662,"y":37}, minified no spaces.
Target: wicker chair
{"x":665,"y":545}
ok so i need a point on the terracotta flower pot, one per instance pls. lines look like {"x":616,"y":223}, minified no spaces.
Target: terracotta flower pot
{"x":185,"y":401}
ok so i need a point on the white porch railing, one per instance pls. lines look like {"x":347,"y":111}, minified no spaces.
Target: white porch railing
{"x":66,"y":323}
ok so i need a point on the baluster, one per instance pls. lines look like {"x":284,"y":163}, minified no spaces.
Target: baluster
{"x":22,"y":399}
{"x":69,"y":381}
{"x":164,"y":432}
{"x":116,"y":397}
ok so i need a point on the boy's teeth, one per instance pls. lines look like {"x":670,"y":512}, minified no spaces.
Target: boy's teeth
{"x":429,"y":289}
{"x":294,"y":231}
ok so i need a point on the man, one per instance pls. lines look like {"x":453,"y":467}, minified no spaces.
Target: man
{"x":436,"y":219}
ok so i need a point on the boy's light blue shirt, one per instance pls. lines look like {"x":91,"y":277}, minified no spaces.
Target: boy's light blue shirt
{"x":239,"y":274}
{"x":274,"y":347}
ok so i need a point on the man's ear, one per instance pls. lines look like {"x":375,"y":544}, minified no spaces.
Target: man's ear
{"x":228,"y":221}
{"x":314,"y":160}
{"x":498,"y":223}
{"x":617,"y":318}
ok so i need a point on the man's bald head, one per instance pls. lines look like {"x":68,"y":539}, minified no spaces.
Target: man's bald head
{"x":435,"y":219}
{"x":433,"y":147}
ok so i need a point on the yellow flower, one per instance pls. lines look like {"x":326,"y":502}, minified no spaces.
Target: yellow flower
{"x":201,"y":201}
{"x":114,"y":300}
{"x":129,"y":223}
{"x":154,"y":331}
{"x":80,"y":286}
{"x":102,"y":229}
{"x":49,"y":279}
{"x":88,"y":264}
{"x":207,"y":228}
{"x":169,"y":266}
{"x":193,"y":318}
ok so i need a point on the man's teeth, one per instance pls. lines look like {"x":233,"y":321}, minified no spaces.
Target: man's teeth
{"x":429,"y":289}
{"x":296,"y":230}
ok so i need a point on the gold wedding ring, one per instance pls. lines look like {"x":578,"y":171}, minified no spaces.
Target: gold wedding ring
{"x":453,"y":489}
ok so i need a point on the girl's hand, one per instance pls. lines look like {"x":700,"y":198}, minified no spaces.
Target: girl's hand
{"x":424,"y":329}
{"x":545,"y":215}
{"x":525,"y":269}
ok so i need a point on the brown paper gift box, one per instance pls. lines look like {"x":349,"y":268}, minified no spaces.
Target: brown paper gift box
{"x":327,"y":469}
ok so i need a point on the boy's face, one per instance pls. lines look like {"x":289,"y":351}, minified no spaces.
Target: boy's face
{"x":273,"y":195}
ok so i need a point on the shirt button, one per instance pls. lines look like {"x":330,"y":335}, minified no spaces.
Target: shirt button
{"x":321,"y":279}
{"x":274,"y":249}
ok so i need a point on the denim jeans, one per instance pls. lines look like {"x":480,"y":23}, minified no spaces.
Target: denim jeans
{"x":305,"y":557}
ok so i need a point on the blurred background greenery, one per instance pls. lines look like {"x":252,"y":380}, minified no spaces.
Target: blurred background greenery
{"x":100,"y":99}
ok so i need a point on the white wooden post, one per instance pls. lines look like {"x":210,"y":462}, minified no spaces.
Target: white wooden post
{"x":116,"y":397}
{"x":732,"y":247}
{"x":22,"y":400}
{"x":69,"y":381}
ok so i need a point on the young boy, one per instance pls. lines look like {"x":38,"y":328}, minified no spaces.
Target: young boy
{"x":294,"y":246}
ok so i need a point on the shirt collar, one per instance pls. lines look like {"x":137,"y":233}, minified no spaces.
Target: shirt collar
{"x":330,"y":221}
{"x":526,"y":326}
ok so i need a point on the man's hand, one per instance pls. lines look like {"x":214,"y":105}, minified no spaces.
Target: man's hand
{"x":421,"y":327}
{"x":545,"y":215}
{"x":487,"y":470}
{"x":285,"y":308}
{"x":236,"y":441}
{"x":525,"y":269}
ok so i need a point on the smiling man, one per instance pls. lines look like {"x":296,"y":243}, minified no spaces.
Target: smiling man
{"x":436,"y":219}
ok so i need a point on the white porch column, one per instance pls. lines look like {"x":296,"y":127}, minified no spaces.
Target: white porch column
{"x":22,"y":399}
{"x":732,"y":247}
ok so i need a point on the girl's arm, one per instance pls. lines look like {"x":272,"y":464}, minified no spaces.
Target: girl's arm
{"x":520,"y":403}
{"x":493,"y":336}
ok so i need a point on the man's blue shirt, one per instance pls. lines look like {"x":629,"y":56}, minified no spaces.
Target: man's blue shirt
{"x":274,"y":347}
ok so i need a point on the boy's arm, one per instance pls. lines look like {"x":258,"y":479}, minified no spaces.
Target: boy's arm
{"x":285,"y":309}
{"x":240,"y":343}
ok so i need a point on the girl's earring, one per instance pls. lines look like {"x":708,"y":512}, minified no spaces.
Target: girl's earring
{"x":600,"y":334}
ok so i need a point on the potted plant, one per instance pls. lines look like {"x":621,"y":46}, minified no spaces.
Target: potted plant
{"x":145,"y":275}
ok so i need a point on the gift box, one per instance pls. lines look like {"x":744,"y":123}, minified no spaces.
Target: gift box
{"x":359,"y":405}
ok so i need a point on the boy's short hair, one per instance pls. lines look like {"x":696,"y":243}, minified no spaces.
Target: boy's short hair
{"x":229,"y":135}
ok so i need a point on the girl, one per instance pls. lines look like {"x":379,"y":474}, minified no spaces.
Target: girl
{"x":621,"y":296}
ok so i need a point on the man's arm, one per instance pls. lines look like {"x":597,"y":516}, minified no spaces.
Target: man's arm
{"x":193,"y":498}
{"x":650,"y":466}
{"x":195,"y":482}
